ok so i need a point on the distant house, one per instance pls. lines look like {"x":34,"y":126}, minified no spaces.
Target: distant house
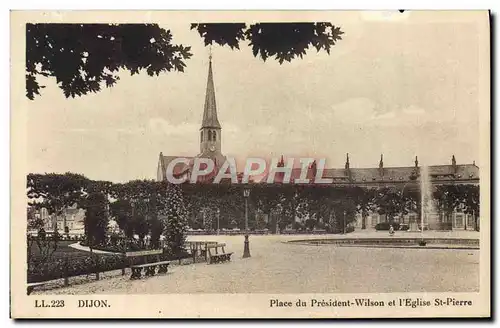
{"x":71,"y":217}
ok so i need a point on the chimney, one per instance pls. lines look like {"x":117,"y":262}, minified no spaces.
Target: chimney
{"x":281,"y":163}
{"x":416,"y":161}
{"x":313,"y":169}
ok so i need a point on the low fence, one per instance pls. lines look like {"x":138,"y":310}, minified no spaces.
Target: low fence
{"x":257,"y":232}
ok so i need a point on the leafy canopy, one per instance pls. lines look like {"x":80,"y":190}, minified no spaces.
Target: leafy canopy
{"x":85,"y":57}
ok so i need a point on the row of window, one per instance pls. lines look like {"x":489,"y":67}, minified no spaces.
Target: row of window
{"x":212,"y":135}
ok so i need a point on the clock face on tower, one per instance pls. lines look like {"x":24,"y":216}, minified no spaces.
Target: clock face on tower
{"x":212,"y":148}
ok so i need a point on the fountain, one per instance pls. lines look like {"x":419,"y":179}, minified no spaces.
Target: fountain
{"x":426,"y":202}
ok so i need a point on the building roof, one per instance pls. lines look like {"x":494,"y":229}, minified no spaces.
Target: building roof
{"x":179,"y":169}
{"x":386,"y":174}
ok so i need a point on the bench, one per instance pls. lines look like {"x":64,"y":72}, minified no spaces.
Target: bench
{"x":217,"y":257}
{"x":199,"y":248}
{"x":149,"y":268}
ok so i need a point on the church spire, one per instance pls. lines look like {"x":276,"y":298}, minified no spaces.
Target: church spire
{"x":210,"y":110}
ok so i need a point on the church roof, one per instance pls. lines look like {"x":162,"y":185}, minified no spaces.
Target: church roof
{"x":179,"y":168}
{"x":360,"y":175}
{"x":210,"y":110}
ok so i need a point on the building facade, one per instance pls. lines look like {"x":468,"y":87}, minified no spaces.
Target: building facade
{"x":375,"y":177}
{"x":71,"y":217}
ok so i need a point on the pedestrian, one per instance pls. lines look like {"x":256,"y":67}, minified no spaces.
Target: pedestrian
{"x":391,"y":230}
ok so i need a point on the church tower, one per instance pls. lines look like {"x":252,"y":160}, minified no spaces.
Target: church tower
{"x":210,"y":131}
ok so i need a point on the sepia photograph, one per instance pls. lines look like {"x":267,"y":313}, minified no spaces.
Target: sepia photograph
{"x":305,"y":164}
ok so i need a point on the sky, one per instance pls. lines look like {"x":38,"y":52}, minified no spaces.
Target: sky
{"x":400,"y":85}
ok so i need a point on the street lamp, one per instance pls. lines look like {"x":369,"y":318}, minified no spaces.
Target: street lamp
{"x":218,"y":218}
{"x":246,"y":250}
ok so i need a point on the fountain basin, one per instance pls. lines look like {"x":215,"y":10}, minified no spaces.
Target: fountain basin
{"x":394,"y":242}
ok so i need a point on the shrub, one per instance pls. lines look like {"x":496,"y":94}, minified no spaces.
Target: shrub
{"x":298,"y":226}
{"x":73,"y":266}
{"x":320,"y":226}
{"x":387,"y":226}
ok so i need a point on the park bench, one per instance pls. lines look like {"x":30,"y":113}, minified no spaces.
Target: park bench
{"x":217,"y":257}
{"x":149,"y":268}
{"x":199,"y":247}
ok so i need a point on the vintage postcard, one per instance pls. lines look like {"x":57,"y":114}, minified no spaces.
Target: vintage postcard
{"x":250,"y":164}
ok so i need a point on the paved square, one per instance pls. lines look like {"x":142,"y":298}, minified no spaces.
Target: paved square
{"x":280,"y":267}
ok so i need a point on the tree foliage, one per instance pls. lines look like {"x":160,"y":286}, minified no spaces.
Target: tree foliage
{"x":283,"y":41}
{"x":84,"y":58}
{"x":55,"y":192}
{"x":96,"y":218}
{"x":176,"y":220}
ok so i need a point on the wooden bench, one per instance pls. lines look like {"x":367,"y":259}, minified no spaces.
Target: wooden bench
{"x":217,"y":257}
{"x":149,"y":268}
{"x":199,"y":248}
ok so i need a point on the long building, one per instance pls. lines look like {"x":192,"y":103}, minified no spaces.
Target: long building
{"x":371,"y":177}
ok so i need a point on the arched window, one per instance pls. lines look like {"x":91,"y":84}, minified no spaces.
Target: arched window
{"x":209,"y":135}
{"x":214,"y":135}
{"x":201,"y":136}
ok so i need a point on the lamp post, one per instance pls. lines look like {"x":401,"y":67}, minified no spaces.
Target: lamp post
{"x":246,"y":250}
{"x":218,"y":218}
{"x":345,"y":219}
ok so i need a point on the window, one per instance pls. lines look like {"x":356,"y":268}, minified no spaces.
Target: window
{"x":214,"y":135}
{"x":201,"y":136}
{"x":209,"y":135}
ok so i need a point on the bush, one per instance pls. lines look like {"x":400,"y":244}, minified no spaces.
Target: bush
{"x":387,"y":226}
{"x":74,"y":266}
{"x":320,"y":226}
{"x":297,"y":226}
{"x":349,"y":229}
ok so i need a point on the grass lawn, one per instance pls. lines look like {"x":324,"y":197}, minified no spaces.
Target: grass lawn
{"x":62,"y":250}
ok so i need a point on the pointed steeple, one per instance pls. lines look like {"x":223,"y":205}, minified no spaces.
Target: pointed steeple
{"x":454,"y":164}
{"x":210,"y":110}
{"x":347,"y":162}
{"x":416,"y":161}
{"x":381,"y":165}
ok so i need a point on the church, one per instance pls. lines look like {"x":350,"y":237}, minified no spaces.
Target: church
{"x":210,"y":137}
{"x":373,"y":177}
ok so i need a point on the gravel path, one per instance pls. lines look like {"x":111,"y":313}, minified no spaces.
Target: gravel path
{"x":87,"y":249}
{"x":278,"y":267}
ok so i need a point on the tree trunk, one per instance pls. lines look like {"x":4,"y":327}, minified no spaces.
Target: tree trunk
{"x":476,"y":220}
{"x":363,"y":221}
